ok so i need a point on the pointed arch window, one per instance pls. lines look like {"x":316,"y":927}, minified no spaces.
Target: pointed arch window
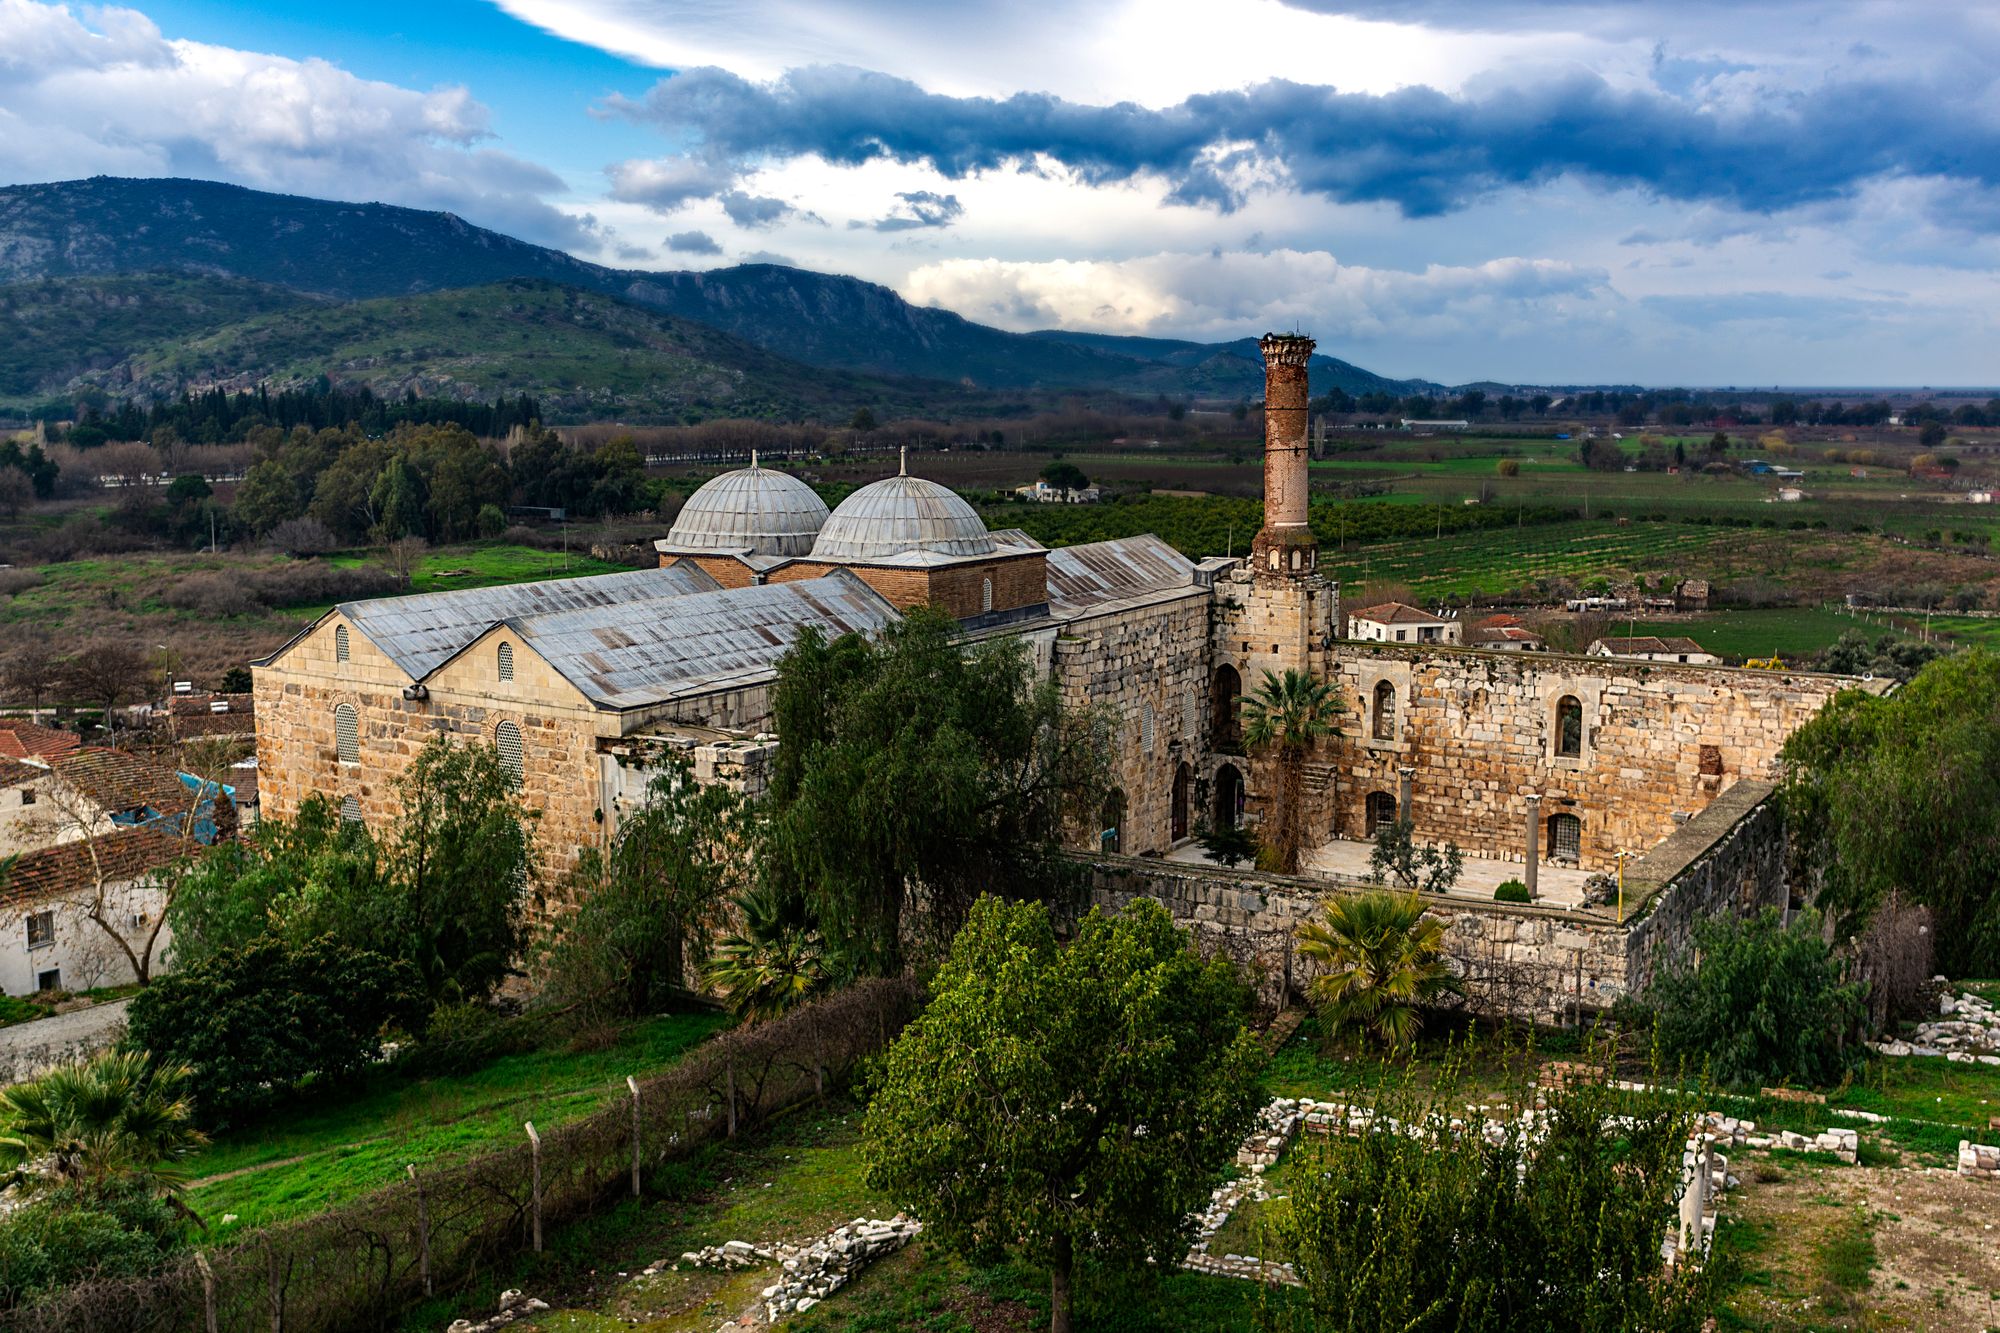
{"x":346,"y":734}
{"x":1385,"y":711}
{"x":986,"y":594}
{"x":507,"y":739}
{"x":340,"y":644}
{"x":506,"y":656}
{"x":350,"y":809}
{"x":1569,"y":727}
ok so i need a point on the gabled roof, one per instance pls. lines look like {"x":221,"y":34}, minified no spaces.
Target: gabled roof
{"x":1098,"y":576}
{"x":67,"y":868}
{"x":25,"y":740}
{"x":420,"y":631}
{"x":118,"y":782}
{"x":13,"y":773}
{"x":1646,"y":644}
{"x":1502,"y":634}
{"x":690,"y":645}
{"x":1396,"y":613}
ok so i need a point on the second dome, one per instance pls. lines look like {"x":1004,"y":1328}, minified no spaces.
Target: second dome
{"x":902,"y":515}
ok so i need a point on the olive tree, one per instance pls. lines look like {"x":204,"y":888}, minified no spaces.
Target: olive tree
{"x":1065,"y":1101}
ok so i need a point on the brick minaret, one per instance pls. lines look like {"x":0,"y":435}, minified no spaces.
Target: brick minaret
{"x":1285,"y":547}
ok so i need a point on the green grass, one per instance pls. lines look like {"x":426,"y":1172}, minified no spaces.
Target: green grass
{"x":1305,"y":1067}
{"x":327,"y":1150}
{"x":1789,"y":633}
{"x":491,"y":566}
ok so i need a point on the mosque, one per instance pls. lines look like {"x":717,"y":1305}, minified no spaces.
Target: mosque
{"x":1531,"y":762}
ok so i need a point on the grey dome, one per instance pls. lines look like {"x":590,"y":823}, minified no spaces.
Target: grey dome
{"x":752,"y":508}
{"x":902,"y":516}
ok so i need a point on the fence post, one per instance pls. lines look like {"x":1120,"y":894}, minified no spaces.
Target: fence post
{"x":732,"y":1093}
{"x":423,"y":1230}
{"x":207,"y":1290}
{"x":633,"y":1084}
{"x":277,"y":1292}
{"x":535,"y":1144}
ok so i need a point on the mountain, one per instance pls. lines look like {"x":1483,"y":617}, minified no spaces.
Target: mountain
{"x":108,"y":226}
{"x":1236,"y":362}
{"x":583,"y":354}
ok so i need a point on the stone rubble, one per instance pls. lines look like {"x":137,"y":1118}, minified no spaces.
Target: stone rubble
{"x":1967,"y":1032}
{"x":811,"y":1272}
{"x":513,"y":1306}
{"x":1978,"y":1161}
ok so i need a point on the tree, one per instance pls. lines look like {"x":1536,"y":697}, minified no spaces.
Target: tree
{"x":1718,"y":444}
{"x":862,"y":420}
{"x":1065,"y":1101}
{"x":17,"y":491}
{"x":107,"y":673}
{"x":268,"y":495}
{"x":1283,"y":720}
{"x":1065,"y":476}
{"x":1397,"y":859}
{"x":774,"y":963}
{"x":1895,"y":792}
{"x":1230,"y":845}
{"x":30,"y":672}
{"x":645,"y":911}
{"x":917,"y":772}
{"x":1381,"y":963}
{"x":252,"y":1024}
{"x":115,"y":1118}
{"x":1761,"y":1002}
{"x":1424,"y":1218}
{"x":1932,"y":435}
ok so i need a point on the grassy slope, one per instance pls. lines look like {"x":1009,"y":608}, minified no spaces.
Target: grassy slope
{"x":1790,"y":633}
{"x":326,"y":1151}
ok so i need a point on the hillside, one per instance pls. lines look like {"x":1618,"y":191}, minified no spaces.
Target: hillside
{"x":584,"y":355}
{"x":1233,"y":365}
{"x":109,"y":226}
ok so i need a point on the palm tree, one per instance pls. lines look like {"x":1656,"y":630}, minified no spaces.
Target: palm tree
{"x":113,"y":1118}
{"x":773,"y":963}
{"x":1381,"y":959}
{"x":1283,"y":719}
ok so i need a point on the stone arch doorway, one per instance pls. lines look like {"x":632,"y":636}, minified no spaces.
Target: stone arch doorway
{"x":1183,"y":793}
{"x":1111,"y":821}
{"x":1378,"y":812}
{"x":1225,"y":723}
{"x":1228,"y":797}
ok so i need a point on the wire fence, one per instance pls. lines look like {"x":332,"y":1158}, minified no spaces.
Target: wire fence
{"x":361,"y":1265}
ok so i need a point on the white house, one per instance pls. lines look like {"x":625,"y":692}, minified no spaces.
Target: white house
{"x":1393,"y":622}
{"x":1653,"y":648}
{"x":48,"y":941}
{"x":1504,"y":634}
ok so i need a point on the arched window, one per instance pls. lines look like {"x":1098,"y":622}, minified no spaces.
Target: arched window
{"x":1228,"y":686}
{"x":986,"y":594}
{"x":1146,"y":728}
{"x":1228,"y":797}
{"x":1565,"y":838}
{"x":1183,"y":789}
{"x":340,"y":649}
{"x":1385,"y":711}
{"x":1569,"y":727}
{"x":1378,"y":812}
{"x":507,"y":740}
{"x":506,"y":656}
{"x":350,"y":809}
{"x":346,"y":734}
{"x":1112,"y":837}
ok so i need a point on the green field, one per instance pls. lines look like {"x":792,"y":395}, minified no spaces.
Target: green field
{"x":1786,"y":633}
{"x":488,"y":566}
{"x":324,"y":1152}
{"x":1501,"y":560}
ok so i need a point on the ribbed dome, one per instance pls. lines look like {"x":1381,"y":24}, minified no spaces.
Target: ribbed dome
{"x":899,"y":515}
{"x":769,"y":513}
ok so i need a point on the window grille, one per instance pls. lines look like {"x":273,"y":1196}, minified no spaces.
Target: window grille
{"x":350,"y":809}
{"x":507,"y":739}
{"x":506,"y":661}
{"x":340,"y":647}
{"x":1565,"y":838}
{"x":1146,"y":728}
{"x":986,"y":594}
{"x":347,"y":733}
{"x":1190,"y":715}
{"x":41,"y":929}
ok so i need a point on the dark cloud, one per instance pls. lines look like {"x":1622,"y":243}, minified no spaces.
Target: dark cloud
{"x":693,"y":243}
{"x":919,"y":209}
{"x":1420,"y":150}
{"x":768,"y":257}
{"x":754,"y":212}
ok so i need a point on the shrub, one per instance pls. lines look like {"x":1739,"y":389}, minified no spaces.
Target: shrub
{"x":304,"y":537}
{"x":1765,"y":1005}
{"x":65,"y":1237}
{"x":255,"y":1023}
{"x":1513,"y":891}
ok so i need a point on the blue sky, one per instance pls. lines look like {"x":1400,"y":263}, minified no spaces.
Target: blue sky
{"x":1795,"y":191}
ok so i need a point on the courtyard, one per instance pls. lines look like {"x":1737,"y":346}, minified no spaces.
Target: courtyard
{"x":1344,"y":861}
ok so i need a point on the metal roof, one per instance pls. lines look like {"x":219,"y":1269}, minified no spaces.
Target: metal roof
{"x":752,"y":509}
{"x":421,"y":631}
{"x":1101,"y":576}
{"x":902,"y":516}
{"x":690,"y":645}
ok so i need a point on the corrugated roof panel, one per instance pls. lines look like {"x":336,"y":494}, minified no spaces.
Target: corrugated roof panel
{"x":420,"y":631}
{"x":1096,"y":575}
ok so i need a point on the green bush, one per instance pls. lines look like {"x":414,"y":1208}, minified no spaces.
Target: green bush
{"x":1513,"y":891}
{"x":1766,"y":1004}
{"x":256,"y":1022}
{"x":64,"y":1237}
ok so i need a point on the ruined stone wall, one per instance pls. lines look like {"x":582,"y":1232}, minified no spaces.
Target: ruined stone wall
{"x":1480,"y":731}
{"x":1134,"y":663}
{"x":1515,"y":960}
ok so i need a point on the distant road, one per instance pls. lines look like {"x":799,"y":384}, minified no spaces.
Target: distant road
{"x":28,"y":1049}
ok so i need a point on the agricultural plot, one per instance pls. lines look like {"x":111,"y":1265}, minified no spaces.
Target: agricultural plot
{"x":1496,"y":562}
{"x":1788,"y":633}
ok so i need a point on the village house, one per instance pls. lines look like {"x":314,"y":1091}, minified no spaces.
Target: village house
{"x":1654,"y":648}
{"x":48,"y":941}
{"x":1393,"y":622}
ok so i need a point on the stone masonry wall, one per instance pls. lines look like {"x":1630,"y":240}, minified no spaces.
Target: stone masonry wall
{"x":1479,"y":730}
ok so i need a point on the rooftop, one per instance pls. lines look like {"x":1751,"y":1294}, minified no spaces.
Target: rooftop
{"x":903,"y":520}
{"x":1100,"y":576}
{"x":1396,"y":613}
{"x":1646,"y":644}
{"x":753,"y":510}
{"x":26,"y":740}
{"x":119,"y":782}
{"x":68,"y":868}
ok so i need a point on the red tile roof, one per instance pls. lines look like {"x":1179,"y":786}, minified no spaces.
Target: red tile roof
{"x":69,"y":868}
{"x":26,"y":740}
{"x":13,"y":772}
{"x":118,"y":781}
{"x":1396,"y":613}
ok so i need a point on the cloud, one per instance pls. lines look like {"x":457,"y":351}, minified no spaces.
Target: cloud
{"x":1418,"y":149}
{"x":1219,"y":295}
{"x":761,"y":212}
{"x":103,"y":91}
{"x":920,"y":208}
{"x":667,"y":183}
{"x":693,"y":243}
{"x":768,"y":257}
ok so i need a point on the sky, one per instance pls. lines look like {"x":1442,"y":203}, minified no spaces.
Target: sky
{"x":1701,"y":192}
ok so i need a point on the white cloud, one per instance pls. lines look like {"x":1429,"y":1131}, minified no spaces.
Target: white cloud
{"x":103,"y":91}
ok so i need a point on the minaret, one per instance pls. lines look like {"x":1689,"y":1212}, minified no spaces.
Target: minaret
{"x":1285,"y":547}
